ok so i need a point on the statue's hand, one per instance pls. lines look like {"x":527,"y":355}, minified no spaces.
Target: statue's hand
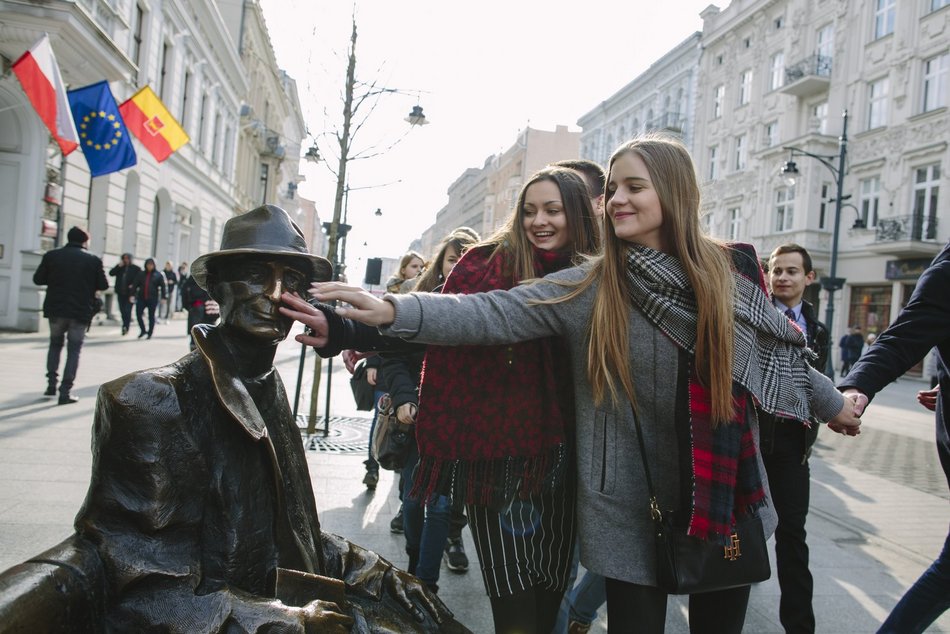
{"x":410,"y":593}
{"x":324,"y":616}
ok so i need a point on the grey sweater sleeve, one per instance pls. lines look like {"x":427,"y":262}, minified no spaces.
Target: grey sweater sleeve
{"x":826,"y":400}
{"x":492,"y":318}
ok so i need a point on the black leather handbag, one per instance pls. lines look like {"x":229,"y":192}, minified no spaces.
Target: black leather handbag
{"x":689,"y":565}
{"x":392,"y":440}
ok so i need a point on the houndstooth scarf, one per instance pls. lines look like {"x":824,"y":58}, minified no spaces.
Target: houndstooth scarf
{"x":768,"y":350}
{"x":770,"y":357}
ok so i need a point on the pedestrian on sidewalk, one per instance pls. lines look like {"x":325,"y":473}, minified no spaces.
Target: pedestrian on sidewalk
{"x":171,"y":287}
{"x":922,"y":324}
{"x":201,"y":308}
{"x":73,"y":278}
{"x":125,"y":274}
{"x":786,"y":444}
{"x":495,"y":427}
{"x":149,"y":289}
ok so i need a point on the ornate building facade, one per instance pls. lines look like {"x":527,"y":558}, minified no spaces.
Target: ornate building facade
{"x":190,"y":54}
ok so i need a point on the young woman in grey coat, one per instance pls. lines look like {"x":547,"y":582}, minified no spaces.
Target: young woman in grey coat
{"x":667,"y":322}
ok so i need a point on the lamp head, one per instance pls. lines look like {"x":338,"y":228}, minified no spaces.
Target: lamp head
{"x":789,"y":172}
{"x":416,"y":116}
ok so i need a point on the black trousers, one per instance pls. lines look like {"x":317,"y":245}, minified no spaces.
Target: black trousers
{"x":636,"y":609}
{"x":783,"y":452}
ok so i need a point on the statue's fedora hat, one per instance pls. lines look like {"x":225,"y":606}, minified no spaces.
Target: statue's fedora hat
{"x":267,"y":230}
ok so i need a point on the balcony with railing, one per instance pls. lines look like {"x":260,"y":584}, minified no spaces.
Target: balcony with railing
{"x":668,"y":122}
{"x":907,"y":236}
{"x":808,"y":77}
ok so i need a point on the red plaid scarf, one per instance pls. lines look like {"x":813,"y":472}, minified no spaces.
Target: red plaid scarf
{"x":494,"y":421}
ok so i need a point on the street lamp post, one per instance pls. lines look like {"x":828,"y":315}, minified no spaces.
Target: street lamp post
{"x":831,"y":283}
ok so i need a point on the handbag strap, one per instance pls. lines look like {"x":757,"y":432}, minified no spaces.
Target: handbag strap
{"x":655,"y":512}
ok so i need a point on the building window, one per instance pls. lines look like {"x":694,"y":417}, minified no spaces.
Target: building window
{"x":185,"y":89}
{"x":883,"y":17}
{"x":156,"y":214}
{"x":216,"y":141}
{"x":778,"y":22}
{"x":228,"y":159}
{"x":137,"y":26}
{"x":745,"y":87}
{"x":777,"y":71}
{"x":870,"y":308}
{"x":825,"y":41}
{"x":784,"y":208}
{"x":870,"y":191}
{"x":264,"y":178}
{"x":706,"y":221}
{"x":936,"y":78}
{"x":936,"y":5}
{"x":877,"y":104}
{"x":719,"y":96}
{"x":735,"y":223}
{"x":201,"y":120}
{"x":926,"y":190}
{"x":742,"y":152}
{"x":713,"y":162}
{"x":819,"y":117}
{"x":164,"y":72}
{"x":770,"y":136}
{"x":748,"y":42}
{"x":823,"y":205}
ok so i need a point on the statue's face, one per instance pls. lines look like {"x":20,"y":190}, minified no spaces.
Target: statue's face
{"x":248,"y":290}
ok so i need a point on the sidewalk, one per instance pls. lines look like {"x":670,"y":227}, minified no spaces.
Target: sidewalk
{"x":879,"y":502}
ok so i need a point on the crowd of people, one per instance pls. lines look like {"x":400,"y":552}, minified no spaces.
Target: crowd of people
{"x":599,"y":336}
{"x":75,"y":282}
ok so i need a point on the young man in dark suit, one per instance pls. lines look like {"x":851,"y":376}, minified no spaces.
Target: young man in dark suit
{"x":786,"y":445}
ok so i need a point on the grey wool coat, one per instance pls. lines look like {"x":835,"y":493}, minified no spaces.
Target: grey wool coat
{"x":615,"y":532}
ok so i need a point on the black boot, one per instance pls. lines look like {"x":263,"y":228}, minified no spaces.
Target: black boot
{"x":50,"y":389}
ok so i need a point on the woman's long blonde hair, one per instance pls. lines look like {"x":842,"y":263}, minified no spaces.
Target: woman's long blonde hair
{"x":704,"y":260}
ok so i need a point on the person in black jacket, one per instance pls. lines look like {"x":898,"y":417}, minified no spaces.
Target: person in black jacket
{"x":72,"y":277}
{"x":149,"y":288}
{"x":201,"y":308}
{"x":125,"y":274}
{"x":171,"y":282}
{"x":924,"y":323}
{"x":786,"y":445}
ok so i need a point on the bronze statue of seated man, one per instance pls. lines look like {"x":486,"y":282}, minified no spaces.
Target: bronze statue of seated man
{"x":200,"y":504}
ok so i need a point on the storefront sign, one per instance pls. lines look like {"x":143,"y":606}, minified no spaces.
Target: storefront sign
{"x":906,"y":269}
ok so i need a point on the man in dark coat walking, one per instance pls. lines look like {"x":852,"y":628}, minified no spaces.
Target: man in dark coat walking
{"x":924,"y":323}
{"x":125,"y":274}
{"x":200,"y":503}
{"x":72,"y":277}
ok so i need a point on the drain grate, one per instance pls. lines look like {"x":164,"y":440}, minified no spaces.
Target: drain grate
{"x":347,"y":434}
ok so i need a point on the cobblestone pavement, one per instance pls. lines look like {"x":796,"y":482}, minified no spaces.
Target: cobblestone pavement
{"x":879,"y":509}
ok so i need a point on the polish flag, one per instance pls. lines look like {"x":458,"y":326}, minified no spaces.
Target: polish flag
{"x":38,"y":73}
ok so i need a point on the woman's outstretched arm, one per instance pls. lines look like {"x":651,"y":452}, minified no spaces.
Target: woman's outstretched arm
{"x":492,"y":318}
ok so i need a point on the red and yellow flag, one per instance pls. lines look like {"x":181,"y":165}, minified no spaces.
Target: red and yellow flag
{"x":149,"y":120}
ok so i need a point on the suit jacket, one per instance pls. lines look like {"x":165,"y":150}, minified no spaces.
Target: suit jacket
{"x":199,"y":491}
{"x":924,"y":323}
{"x":72,"y":276}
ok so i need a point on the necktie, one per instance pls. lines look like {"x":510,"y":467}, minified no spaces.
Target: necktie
{"x":791,"y":315}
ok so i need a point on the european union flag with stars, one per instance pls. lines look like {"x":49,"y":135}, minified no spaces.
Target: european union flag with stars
{"x":103,"y":136}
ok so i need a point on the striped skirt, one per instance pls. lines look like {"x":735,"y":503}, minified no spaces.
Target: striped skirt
{"x":528,"y":544}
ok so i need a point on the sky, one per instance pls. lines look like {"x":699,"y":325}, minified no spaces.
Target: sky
{"x":482,"y":71}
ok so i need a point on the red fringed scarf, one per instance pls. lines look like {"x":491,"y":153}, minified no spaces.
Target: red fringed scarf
{"x":494,"y":421}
